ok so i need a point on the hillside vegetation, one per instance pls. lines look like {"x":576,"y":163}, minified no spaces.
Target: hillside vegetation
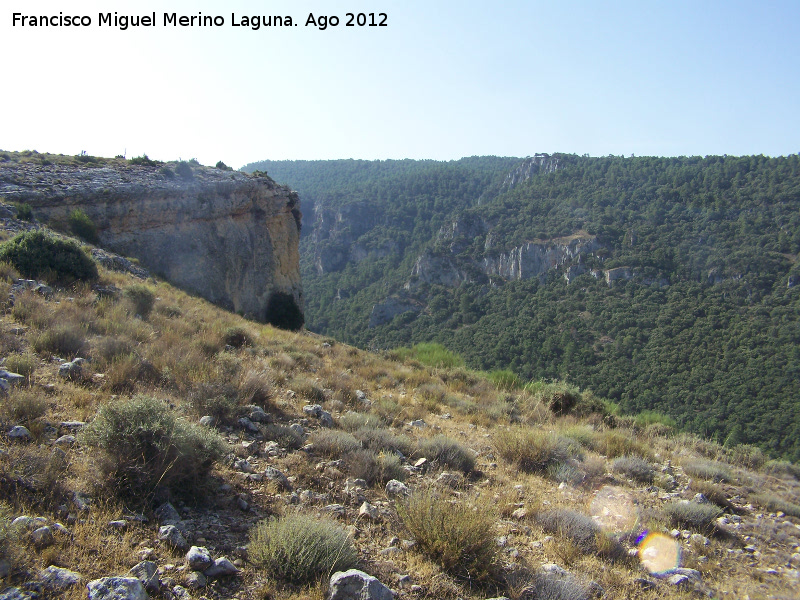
{"x":701,"y":324}
{"x":139,"y":421}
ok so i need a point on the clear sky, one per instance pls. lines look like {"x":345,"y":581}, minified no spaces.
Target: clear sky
{"x":444,"y":79}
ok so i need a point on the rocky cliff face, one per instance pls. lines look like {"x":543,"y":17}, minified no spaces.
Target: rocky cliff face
{"x":229,"y":237}
{"x":534,"y":165}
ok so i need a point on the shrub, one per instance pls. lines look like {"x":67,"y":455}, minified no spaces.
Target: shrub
{"x":783,"y":468}
{"x":746,"y":455}
{"x":286,"y":437}
{"x":256,"y":387}
{"x":457,"y":536}
{"x":695,"y":515}
{"x":82,"y":226}
{"x":65,"y":340}
{"x":558,"y":396}
{"x":218,"y":400}
{"x":283,"y":312}
{"x":24,"y":364}
{"x":447,"y":451}
{"x":651,"y":417}
{"x":36,"y":254}
{"x":238,"y":337}
{"x":380,"y":439}
{"x":334,"y":443}
{"x":775,"y":503}
{"x":222,"y":166}
{"x":307,"y":389}
{"x":532,"y":450}
{"x":582,"y":531}
{"x":111,"y":348}
{"x":430,"y":354}
{"x":635,"y":468}
{"x":24,"y":211}
{"x":713,"y":494}
{"x":709,"y":469}
{"x":141,"y":299}
{"x":144,"y":160}
{"x":614,"y":444}
{"x":353,"y":421}
{"x":147,"y":446}
{"x":184,"y":170}
{"x":301,"y":549}
{"x":505,"y":380}
{"x":23,"y":406}
{"x":167,"y":172}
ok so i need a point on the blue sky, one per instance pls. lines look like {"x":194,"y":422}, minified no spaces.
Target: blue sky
{"x":445,"y":79}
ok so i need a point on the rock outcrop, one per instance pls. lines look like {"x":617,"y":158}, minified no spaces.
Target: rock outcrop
{"x":229,"y":237}
{"x":533,"y":165}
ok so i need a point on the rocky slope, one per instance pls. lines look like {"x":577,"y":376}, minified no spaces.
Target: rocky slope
{"x":226,"y":236}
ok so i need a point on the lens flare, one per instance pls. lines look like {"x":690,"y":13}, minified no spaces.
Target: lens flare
{"x":614,"y":509}
{"x":659,"y":553}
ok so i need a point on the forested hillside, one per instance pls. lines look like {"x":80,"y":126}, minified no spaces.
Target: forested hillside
{"x":659,"y":283}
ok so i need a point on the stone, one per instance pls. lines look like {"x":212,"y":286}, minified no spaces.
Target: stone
{"x":312,"y":410}
{"x":221,"y":568}
{"x":257,"y":415}
{"x":397,"y":489}
{"x":248,"y":425}
{"x":12,"y":378}
{"x":65,"y":440}
{"x":116,"y":588}
{"x":452,"y":480}
{"x":195,"y":580}
{"x":172,"y":536}
{"x":697,"y":538}
{"x":244,"y":466}
{"x":181,"y":593}
{"x":147,"y":572}
{"x":5,"y":568}
{"x":70,"y":370}
{"x":118,"y":524}
{"x":298,"y":429}
{"x":167,"y":514}
{"x":13,"y":593}
{"x":325,"y":419}
{"x":43,"y":537}
{"x":357,"y":585}
{"x":275,"y":475}
{"x":18,"y":433}
{"x":58,"y":579}
{"x":554,"y":569}
{"x":368,"y":511}
{"x":519,"y":514}
{"x":419,"y":423}
{"x":679,"y":580}
{"x":199,"y":558}
{"x":207,"y":421}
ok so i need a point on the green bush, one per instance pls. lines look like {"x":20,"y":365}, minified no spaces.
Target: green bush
{"x":283,"y":312}
{"x":301,"y":549}
{"x":775,"y":503}
{"x":238,"y":337}
{"x":167,"y":172}
{"x":24,"y":211}
{"x":146,"y":445}
{"x":505,"y":380}
{"x":82,"y":226}
{"x":448,"y":452}
{"x":431,"y":355}
{"x":222,"y":166}
{"x":459,"y":537}
{"x":24,"y":364}
{"x":709,"y":469}
{"x":144,"y":160}
{"x":286,"y":437}
{"x":36,"y":254}
{"x":582,"y":531}
{"x":184,"y":170}
{"x":141,"y":298}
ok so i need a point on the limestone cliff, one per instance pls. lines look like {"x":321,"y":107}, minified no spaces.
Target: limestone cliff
{"x":231,"y":238}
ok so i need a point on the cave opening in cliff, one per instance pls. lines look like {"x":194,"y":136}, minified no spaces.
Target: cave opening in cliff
{"x":283,"y":312}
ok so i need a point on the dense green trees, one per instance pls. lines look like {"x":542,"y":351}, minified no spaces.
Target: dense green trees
{"x":706,"y":331}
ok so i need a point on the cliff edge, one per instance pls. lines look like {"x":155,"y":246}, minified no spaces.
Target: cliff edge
{"x":229,"y":237}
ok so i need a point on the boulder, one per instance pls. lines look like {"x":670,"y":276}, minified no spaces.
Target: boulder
{"x":397,"y":489}
{"x":147,"y":572}
{"x":172,"y":536}
{"x":199,"y":558}
{"x":57,"y":579}
{"x":357,"y":585}
{"x":116,"y":588}
{"x":221,"y":567}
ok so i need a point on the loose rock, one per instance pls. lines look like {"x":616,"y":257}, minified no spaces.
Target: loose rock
{"x":117,"y":588}
{"x":357,"y":585}
{"x":199,"y":558}
{"x":58,"y":579}
{"x":147,"y":572}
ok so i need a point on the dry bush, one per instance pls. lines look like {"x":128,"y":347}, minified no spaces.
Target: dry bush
{"x":783,"y":468}
{"x":286,"y":437}
{"x":709,"y":469}
{"x":447,"y":452}
{"x":141,"y":299}
{"x":31,"y":309}
{"x":745,"y":455}
{"x":353,"y":421}
{"x":146,"y":446}
{"x":123,"y":373}
{"x":617,"y":443}
{"x":22,"y":406}
{"x":458,"y":536}
{"x":532,"y":450}
{"x":65,"y":340}
{"x":238,"y":337}
{"x":388,"y":410}
{"x":634,"y":467}
{"x":22,"y":364}
{"x":219,"y":400}
{"x":308,"y":390}
{"x":301,"y":549}
{"x":109,"y":348}
{"x":374,"y":468}
{"x":34,"y":474}
{"x":775,"y":503}
{"x":694,"y":515}
{"x":379,"y":439}
{"x":582,"y":531}
{"x":333,"y":443}
{"x":713,"y":492}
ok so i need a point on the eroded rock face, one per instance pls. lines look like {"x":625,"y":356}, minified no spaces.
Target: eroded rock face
{"x":230,"y":237}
